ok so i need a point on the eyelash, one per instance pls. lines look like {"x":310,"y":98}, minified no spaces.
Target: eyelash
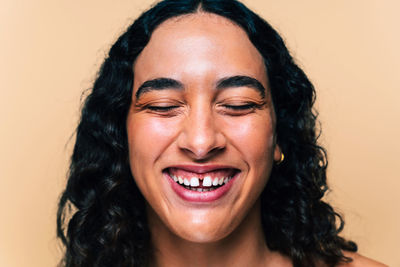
{"x":241,"y":107}
{"x":162,"y":108}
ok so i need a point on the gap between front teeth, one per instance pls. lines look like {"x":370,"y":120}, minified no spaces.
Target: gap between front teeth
{"x":207,"y":181}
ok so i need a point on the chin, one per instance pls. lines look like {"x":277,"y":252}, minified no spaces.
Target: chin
{"x":202,"y":237}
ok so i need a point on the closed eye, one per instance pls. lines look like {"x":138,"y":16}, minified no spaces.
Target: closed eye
{"x":162,"y":108}
{"x":241,"y":107}
{"x":238,"y":109}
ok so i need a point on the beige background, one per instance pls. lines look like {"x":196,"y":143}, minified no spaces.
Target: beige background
{"x":51,"y":50}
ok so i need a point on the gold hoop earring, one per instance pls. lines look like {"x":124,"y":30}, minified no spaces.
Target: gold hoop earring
{"x":282,"y":158}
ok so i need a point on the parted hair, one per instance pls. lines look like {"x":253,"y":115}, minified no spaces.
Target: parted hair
{"x":101,"y":217}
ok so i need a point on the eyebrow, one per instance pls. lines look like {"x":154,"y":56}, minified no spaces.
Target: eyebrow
{"x":239,"y":81}
{"x":158,"y":84}
{"x":224,"y":83}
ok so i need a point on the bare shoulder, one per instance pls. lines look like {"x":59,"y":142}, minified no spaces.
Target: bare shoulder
{"x":360,"y":261}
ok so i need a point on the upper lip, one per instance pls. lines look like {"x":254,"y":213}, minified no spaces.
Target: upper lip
{"x":201,"y":168}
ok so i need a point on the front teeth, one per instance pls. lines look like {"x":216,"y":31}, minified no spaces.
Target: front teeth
{"x":195,"y":182}
{"x":207,"y":181}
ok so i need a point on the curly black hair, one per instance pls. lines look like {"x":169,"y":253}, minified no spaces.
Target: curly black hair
{"x":101,"y":216}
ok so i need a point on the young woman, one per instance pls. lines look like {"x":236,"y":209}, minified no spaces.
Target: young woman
{"x":197,"y":147}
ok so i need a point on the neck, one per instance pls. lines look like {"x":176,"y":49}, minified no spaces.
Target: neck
{"x":245,"y":246}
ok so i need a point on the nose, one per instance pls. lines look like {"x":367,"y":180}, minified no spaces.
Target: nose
{"x":200,"y":137}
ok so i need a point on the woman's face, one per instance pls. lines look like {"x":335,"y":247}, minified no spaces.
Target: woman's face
{"x":201,"y":127}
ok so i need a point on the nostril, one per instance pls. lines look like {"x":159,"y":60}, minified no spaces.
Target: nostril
{"x":216,"y":150}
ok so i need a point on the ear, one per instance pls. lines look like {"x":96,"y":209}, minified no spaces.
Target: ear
{"x":277,"y":153}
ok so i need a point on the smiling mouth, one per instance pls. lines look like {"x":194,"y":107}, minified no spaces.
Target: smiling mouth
{"x":201,"y":182}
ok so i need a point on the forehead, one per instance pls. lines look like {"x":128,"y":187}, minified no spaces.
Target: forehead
{"x":197,"y":45}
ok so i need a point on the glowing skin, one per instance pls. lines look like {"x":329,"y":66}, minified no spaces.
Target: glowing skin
{"x":200,"y":128}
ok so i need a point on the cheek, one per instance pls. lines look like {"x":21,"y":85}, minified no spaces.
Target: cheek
{"x":147,"y":139}
{"x":253,"y":138}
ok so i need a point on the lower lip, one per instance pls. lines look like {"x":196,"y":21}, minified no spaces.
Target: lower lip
{"x":195,"y":196}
